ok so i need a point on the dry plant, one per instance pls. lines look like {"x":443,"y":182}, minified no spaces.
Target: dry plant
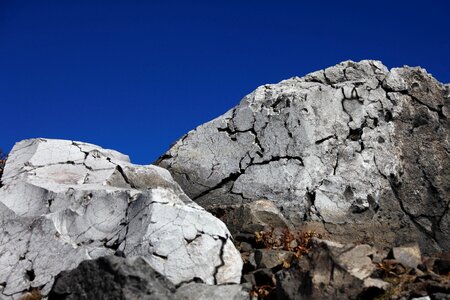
{"x":33,"y":294}
{"x":299,"y":243}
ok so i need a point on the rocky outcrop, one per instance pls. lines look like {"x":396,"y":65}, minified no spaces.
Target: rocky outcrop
{"x":355,"y":150}
{"x":64,"y":202}
{"x":117,"y":278}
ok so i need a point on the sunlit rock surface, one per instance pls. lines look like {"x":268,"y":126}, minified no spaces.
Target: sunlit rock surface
{"x":64,"y":202}
{"x":357,"y":150}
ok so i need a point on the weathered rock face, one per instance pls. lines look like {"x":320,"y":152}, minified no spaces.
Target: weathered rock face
{"x":64,"y":202}
{"x":117,"y":278}
{"x":356,"y":149}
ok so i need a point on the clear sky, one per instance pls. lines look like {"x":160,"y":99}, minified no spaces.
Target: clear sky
{"x":136,"y":75}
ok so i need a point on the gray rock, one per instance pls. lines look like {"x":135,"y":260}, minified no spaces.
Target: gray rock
{"x":112,"y":278}
{"x":251,"y":217}
{"x":357,"y":150}
{"x":198,"y":291}
{"x":64,"y":202}
{"x":118,"y":278}
{"x":269,"y":258}
{"x":245,"y":247}
{"x":409,"y":256}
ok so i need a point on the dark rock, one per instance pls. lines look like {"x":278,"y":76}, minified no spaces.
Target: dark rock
{"x":442,"y":266}
{"x":264,"y":277}
{"x":112,"y":278}
{"x":249,"y":278}
{"x":115,"y":278}
{"x":269,"y":258}
{"x":331,"y":271}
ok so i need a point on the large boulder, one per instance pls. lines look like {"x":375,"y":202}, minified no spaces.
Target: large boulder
{"x":64,"y":202}
{"x":355,"y":150}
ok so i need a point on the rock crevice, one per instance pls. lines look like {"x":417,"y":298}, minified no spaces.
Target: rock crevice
{"x":64,"y":202}
{"x":355,"y":126}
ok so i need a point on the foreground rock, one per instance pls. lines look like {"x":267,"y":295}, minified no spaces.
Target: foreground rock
{"x":356,"y":151}
{"x":280,"y":264}
{"x":335,"y":271}
{"x":64,"y":202}
{"x":116,"y":278}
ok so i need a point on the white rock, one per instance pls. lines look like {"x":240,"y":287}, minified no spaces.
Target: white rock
{"x":63,"y":202}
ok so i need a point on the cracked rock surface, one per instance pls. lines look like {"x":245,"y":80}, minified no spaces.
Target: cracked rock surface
{"x":356,"y":149}
{"x":63,"y":202}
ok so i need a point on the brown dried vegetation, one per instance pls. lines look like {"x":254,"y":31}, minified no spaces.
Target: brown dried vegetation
{"x":409,"y":283}
{"x":33,"y":294}
{"x":300,"y":243}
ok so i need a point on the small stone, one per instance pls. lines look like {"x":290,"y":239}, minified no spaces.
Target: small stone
{"x":377,"y":283}
{"x":268,"y":258}
{"x":265,"y":213}
{"x":409,"y":256}
{"x":245,"y":247}
{"x":442,"y":266}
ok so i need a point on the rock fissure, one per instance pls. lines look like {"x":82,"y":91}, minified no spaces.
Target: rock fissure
{"x":123,"y":209}
{"x":356,"y":123}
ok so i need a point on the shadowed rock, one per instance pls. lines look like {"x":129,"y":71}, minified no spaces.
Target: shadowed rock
{"x":117,"y":278}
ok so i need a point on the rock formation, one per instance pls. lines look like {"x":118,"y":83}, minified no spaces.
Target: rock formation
{"x":64,"y":202}
{"x":355,"y":150}
{"x":333,"y":184}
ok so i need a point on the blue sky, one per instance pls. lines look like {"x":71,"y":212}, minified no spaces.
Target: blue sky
{"x":136,"y":75}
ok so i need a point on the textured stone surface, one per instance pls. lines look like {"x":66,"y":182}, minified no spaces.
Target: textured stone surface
{"x":117,"y":278}
{"x":330,"y":271}
{"x":409,"y":256}
{"x":63,"y":202}
{"x":269,"y":258}
{"x":355,"y":149}
{"x":250,"y":217}
{"x":199,"y":291}
{"x":112,"y":278}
